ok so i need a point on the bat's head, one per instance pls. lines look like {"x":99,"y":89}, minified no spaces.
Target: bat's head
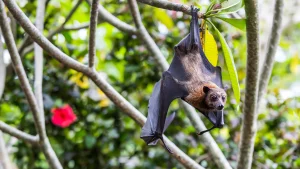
{"x":215,"y":98}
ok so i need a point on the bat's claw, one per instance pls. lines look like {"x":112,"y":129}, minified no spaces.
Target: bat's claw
{"x":166,"y":146}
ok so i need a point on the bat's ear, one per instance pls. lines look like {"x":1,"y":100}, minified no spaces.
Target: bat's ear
{"x":226,"y":87}
{"x":206,"y":89}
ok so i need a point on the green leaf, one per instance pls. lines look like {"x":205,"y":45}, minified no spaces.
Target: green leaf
{"x":163,"y":17}
{"x":210,"y":48}
{"x":230,"y":65}
{"x":238,"y":23}
{"x":231,"y":6}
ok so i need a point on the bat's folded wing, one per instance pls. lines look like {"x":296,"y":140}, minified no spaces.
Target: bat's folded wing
{"x":165,"y":91}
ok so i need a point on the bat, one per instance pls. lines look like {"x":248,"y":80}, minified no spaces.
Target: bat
{"x":190,"y":77}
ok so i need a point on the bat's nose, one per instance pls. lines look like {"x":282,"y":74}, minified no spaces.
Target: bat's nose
{"x":220,"y":107}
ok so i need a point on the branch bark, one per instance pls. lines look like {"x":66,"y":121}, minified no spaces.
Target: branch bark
{"x":38,"y":61}
{"x":170,"y":6}
{"x":4,"y":158}
{"x":271,"y":50}
{"x":93,"y":27}
{"x":146,"y":38}
{"x":19,"y":69}
{"x":249,"y":111}
{"x":2,"y":68}
{"x":206,"y":139}
{"x":114,"y":96}
{"x":18,"y":133}
{"x":27,"y":40}
{"x":108,"y":17}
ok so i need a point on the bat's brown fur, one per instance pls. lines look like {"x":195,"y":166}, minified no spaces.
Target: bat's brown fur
{"x":197,"y":80}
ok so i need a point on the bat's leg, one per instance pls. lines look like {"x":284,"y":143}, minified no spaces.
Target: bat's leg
{"x":194,"y":30}
{"x":162,"y":139}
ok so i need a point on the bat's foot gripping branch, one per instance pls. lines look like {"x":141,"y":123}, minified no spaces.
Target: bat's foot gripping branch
{"x":158,"y":135}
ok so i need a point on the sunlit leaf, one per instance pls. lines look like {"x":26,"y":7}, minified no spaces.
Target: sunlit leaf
{"x":81,"y":80}
{"x":294,"y":63}
{"x":238,"y":23}
{"x":163,"y":17}
{"x":231,"y":6}
{"x":230,"y":65}
{"x":210,"y":48}
{"x":104,"y":102}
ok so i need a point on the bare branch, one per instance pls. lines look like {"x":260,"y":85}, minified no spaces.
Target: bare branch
{"x":68,"y":17}
{"x":170,"y":6}
{"x":249,"y":111}
{"x":27,"y":40}
{"x":2,"y":68}
{"x":108,"y":17}
{"x":5,"y":162}
{"x":208,"y":141}
{"x":146,"y":38}
{"x":38,"y":61}
{"x":19,"y":69}
{"x":75,"y":28}
{"x":114,"y":96}
{"x":93,"y":27}
{"x":271,"y":49}
{"x":18,"y":133}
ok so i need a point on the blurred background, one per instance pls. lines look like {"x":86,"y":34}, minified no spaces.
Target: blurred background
{"x":104,"y":136}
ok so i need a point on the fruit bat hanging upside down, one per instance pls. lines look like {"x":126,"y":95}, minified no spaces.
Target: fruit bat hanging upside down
{"x":190,"y":77}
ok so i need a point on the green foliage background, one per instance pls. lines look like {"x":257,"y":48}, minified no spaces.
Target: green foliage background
{"x":103,"y":136}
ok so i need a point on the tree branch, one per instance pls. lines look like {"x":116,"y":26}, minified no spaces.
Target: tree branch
{"x":38,"y":61}
{"x":111,"y":93}
{"x":18,"y":133}
{"x":146,"y":38}
{"x":108,"y":17}
{"x":271,"y":50}
{"x":27,"y":40}
{"x":93,"y":27}
{"x":19,"y":69}
{"x":75,"y":28}
{"x":249,"y":111}
{"x":5,"y":162}
{"x":170,"y":6}
{"x":2,"y":68}
{"x":208,"y":141}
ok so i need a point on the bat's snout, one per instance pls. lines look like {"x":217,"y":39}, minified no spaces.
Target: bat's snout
{"x":220,"y":107}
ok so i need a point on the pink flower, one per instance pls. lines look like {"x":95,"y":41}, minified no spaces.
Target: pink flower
{"x":63,"y":116}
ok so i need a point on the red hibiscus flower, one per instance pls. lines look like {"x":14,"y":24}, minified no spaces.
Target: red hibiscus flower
{"x":63,"y":116}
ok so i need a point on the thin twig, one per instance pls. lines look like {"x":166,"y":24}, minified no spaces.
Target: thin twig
{"x":271,"y":50}
{"x":38,"y":61}
{"x":92,"y":37}
{"x":206,"y":139}
{"x":114,"y":96}
{"x":5,"y":162}
{"x":108,"y":17}
{"x":28,"y":41}
{"x":19,"y":69}
{"x":75,"y":28}
{"x":146,"y":38}
{"x":2,"y":68}
{"x":249,"y":109}
{"x":18,"y":133}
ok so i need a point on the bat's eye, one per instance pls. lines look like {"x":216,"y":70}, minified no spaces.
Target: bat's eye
{"x":214,"y":98}
{"x":223,"y":98}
